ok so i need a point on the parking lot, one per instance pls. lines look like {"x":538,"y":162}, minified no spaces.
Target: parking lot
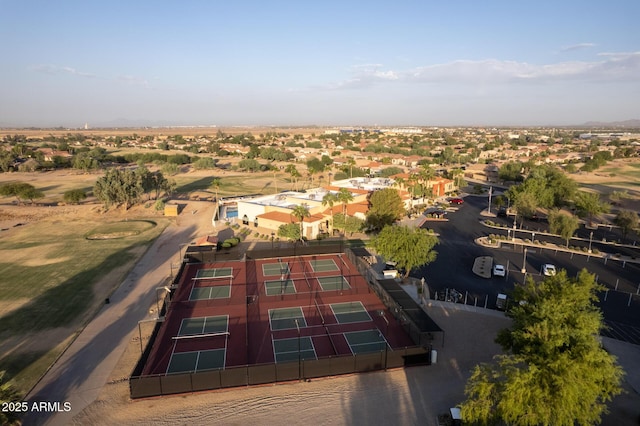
{"x":457,"y":251}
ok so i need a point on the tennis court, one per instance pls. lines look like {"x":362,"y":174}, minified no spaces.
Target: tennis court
{"x":214,"y":273}
{"x":335,"y":282}
{"x":365,"y":341}
{"x":275,"y":287}
{"x":285,"y":350}
{"x":204,"y":325}
{"x":286,"y":318}
{"x":182,"y":362}
{"x":323,"y":265}
{"x":348,"y":312}
{"x":204,"y":293}
{"x":279,"y":268}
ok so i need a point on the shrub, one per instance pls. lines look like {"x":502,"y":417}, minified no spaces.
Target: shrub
{"x":256,"y":235}
{"x":226,"y":244}
{"x":596,"y":251}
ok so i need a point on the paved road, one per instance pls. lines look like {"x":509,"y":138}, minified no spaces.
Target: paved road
{"x":84,"y":368}
{"x":457,"y":251}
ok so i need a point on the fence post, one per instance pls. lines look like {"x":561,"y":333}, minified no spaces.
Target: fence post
{"x":486,"y":300}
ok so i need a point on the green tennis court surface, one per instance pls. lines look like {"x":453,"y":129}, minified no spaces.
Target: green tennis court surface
{"x":214,"y":273}
{"x":204,"y":325}
{"x":350,"y":312}
{"x":337,"y":282}
{"x":285,"y":318}
{"x":196,"y":361}
{"x":365,"y":341}
{"x":217,"y":292}
{"x":323,"y":265}
{"x":275,"y":287}
{"x":279,"y":268}
{"x":286,"y":350}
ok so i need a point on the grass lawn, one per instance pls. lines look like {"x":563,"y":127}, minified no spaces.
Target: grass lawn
{"x":49,"y":273}
{"x":231,"y":185}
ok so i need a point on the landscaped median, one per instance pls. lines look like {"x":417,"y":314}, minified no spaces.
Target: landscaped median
{"x":496,"y":241}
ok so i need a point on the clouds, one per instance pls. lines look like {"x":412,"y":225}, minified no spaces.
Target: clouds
{"x":65,"y":70}
{"x":611,"y":67}
{"x":579,"y":46}
{"x":54,"y":69}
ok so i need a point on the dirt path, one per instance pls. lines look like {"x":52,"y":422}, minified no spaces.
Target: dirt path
{"x":85,"y":367}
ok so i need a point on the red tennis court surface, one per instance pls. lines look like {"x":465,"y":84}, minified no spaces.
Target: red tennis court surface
{"x":230,"y":314}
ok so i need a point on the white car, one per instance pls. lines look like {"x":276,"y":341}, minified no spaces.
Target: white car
{"x":499,"y":271}
{"x":548,"y":270}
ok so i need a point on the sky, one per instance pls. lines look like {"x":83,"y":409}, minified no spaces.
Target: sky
{"x":327,"y":63}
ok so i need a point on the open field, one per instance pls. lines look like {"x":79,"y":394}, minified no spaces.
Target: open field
{"x":55,"y":278}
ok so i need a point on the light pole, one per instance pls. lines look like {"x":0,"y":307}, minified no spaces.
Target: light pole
{"x":272,"y":235}
{"x":514,"y":226}
{"x":524,"y":262}
{"x":386,"y":332}
{"x":590,"y":239}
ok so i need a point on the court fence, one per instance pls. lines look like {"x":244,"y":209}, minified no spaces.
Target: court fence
{"x":161,"y":384}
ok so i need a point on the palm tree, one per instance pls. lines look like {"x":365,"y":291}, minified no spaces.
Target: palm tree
{"x":329,"y":199}
{"x":215,"y":184}
{"x":300,"y":212}
{"x":295,"y":175}
{"x":344,"y":197}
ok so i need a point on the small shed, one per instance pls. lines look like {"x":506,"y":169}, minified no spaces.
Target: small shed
{"x":171,"y":210}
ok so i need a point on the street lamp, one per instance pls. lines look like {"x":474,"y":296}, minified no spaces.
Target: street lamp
{"x":272,"y":235}
{"x":590,"y":239}
{"x":386,"y":332}
{"x":524,"y":262}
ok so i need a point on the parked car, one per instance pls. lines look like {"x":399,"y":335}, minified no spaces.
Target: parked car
{"x":499,"y":270}
{"x":456,"y":201}
{"x":548,"y":270}
{"x":502,"y":212}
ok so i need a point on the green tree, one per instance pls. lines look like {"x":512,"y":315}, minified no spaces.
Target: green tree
{"x":627,"y":220}
{"x":8,"y":394}
{"x":353,"y":224}
{"x":386,"y":207}
{"x":511,"y":171}
{"x":294,"y":173}
{"x":589,"y":205}
{"x":330,"y":198}
{"x":20,"y":190}
{"x":118,"y":187}
{"x":170,"y":169}
{"x":249,"y":164}
{"x":408,"y":247}
{"x":344,"y":197}
{"x":291,"y":231}
{"x":300,"y":212}
{"x":205,"y":163}
{"x":215,"y":185}
{"x":562,"y":224}
{"x":554,"y":370}
{"x":74,"y":196}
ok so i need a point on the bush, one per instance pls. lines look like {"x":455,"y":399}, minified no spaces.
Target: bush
{"x":226,"y":244}
{"x":256,"y":235}
{"x":596,"y":251}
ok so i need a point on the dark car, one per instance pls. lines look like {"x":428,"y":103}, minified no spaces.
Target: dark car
{"x":502,"y":212}
{"x":456,"y":201}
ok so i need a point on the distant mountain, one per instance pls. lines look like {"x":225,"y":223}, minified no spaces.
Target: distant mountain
{"x":627,"y":124}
